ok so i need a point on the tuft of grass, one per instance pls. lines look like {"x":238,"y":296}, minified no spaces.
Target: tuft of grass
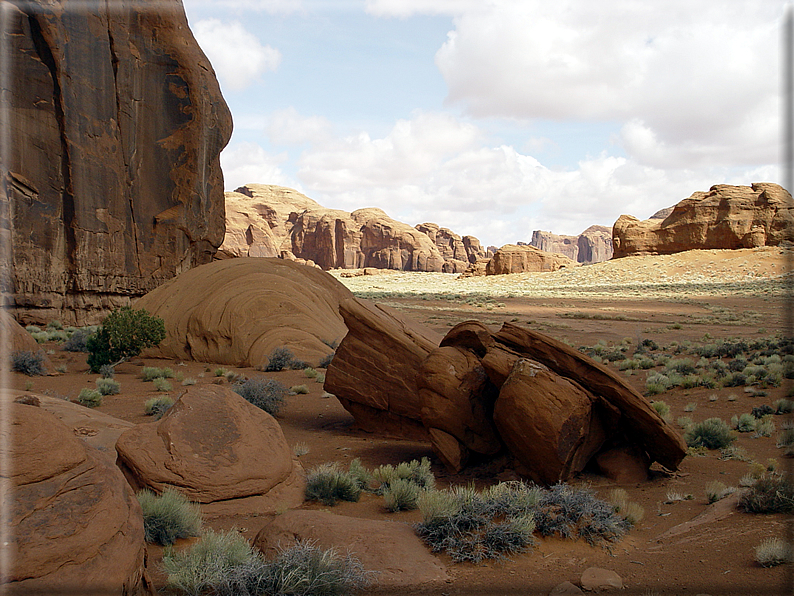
{"x":220,"y":372}
{"x":168,"y":516}
{"x":771,"y":492}
{"x":628,"y":510}
{"x":161,"y":384}
{"x":310,"y":372}
{"x":744,"y":423}
{"x":401,"y":495}
{"x":772,"y":552}
{"x":188,"y":381}
{"x":716,"y":490}
{"x":266,"y":394}
{"x":662,"y":409}
{"x":91,"y":398}
{"x":299,"y":389}
{"x":712,"y":433}
{"x":157,"y":406}
{"x":300,"y":449}
{"x":329,"y":484}
{"x":690,"y":407}
{"x":417,"y":472}
{"x":28,"y":363}
{"x":107,"y":386}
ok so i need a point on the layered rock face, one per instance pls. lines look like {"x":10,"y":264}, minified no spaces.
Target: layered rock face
{"x":77,"y":526}
{"x":725,"y":217}
{"x":481,"y":395}
{"x":115,"y":129}
{"x":265,"y":220}
{"x":594,"y":245}
{"x":512,"y":258}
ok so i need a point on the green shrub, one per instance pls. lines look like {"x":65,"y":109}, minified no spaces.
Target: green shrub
{"x":662,"y":409}
{"x":283,"y":358}
{"x":401,"y":495}
{"x":168,"y":517}
{"x":773,"y":551}
{"x":220,"y":372}
{"x":28,"y":363}
{"x":107,"y":386}
{"x":310,"y":372}
{"x":161,"y":384}
{"x":716,"y":490}
{"x":761,"y":411}
{"x":329,"y":483}
{"x":683,"y":366}
{"x":416,"y":472}
{"x":770,"y":493}
{"x":360,"y":474}
{"x":764,"y":427}
{"x":157,"y":406}
{"x":712,"y":433}
{"x":77,"y":341}
{"x":784,"y":406}
{"x":123,"y":334}
{"x":657,"y":383}
{"x":744,"y":423}
{"x":267,"y":394}
{"x":150,"y":373}
{"x":320,"y":378}
{"x":91,"y":398}
{"x":106,"y":371}
{"x":299,"y":389}
{"x":188,"y":381}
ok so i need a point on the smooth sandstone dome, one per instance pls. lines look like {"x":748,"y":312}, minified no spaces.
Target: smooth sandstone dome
{"x":237,"y":311}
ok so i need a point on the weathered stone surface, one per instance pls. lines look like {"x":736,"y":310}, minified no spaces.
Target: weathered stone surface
{"x":547,"y":422}
{"x":266,"y":220}
{"x":373,"y":373}
{"x":726,"y":217}
{"x":594,"y":245}
{"x":624,"y":464}
{"x":19,"y":340}
{"x":595,"y":579}
{"x":76,"y":524}
{"x":565,"y":589}
{"x":512,"y":258}
{"x":237,"y":311}
{"x":391,"y":549}
{"x":211,"y":445}
{"x":115,"y":130}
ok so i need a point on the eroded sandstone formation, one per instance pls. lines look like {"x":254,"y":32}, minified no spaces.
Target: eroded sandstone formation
{"x":594,"y":245}
{"x":725,"y":217}
{"x":481,"y":395}
{"x":518,"y":258}
{"x":116,"y":123}
{"x":264,"y":220}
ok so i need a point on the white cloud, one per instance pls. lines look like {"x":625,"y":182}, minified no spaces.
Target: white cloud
{"x":238,"y":57}
{"x":246,"y":163}
{"x":288,"y":127}
{"x":407,"y":8}
{"x":268,"y":6}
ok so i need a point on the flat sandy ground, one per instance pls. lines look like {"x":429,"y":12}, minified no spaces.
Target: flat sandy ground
{"x":696,"y":297}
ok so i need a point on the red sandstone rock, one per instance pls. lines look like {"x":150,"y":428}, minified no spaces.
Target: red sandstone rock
{"x":19,"y":340}
{"x":594,"y":245}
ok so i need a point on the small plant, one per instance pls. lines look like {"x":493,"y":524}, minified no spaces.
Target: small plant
{"x":299,"y":389}
{"x":712,"y":433}
{"x":77,"y":341}
{"x":123,"y":334}
{"x":662,"y":409}
{"x":762,"y":410}
{"x":772,"y":552}
{"x":360,"y":474}
{"x":771,"y":492}
{"x":106,"y":371}
{"x":168,"y":517}
{"x":320,"y":378}
{"x":401,"y":495}
{"x":690,"y":407}
{"x":90,"y":398}
{"x":62,"y":368}
{"x":744,"y":423}
{"x":675,"y":497}
{"x":630,"y":511}
{"x":716,"y":490}
{"x":416,"y":472}
{"x":28,"y":363}
{"x":220,"y":372}
{"x":328,"y":483}
{"x":281,"y":358}
{"x":684,"y":422}
{"x":784,"y":406}
{"x":764,"y":427}
{"x":161,"y":384}
{"x":267,"y":394}
{"x":310,"y":373}
{"x":107,"y":386}
{"x":188,"y":381}
{"x":157,"y":406}
{"x":300,"y":449}
{"x":326,"y":361}
{"x":150,"y":373}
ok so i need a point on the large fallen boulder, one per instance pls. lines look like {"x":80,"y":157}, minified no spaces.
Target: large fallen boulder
{"x":76,"y":525}
{"x":237,"y":311}
{"x":214,"y":446}
{"x":392,"y":550}
{"x":725,"y":217}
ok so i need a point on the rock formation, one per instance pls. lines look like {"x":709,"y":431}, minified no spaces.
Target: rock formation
{"x":594,"y":245}
{"x":116,"y":123}
{"x":237,"y":311}
{"x":725,"y":217}
{"x":76,"y":524}
{"x":214,"y":446}
{"x":553,"y":410}
{"x":17,"y":339}
{"x":515,"y":258}
{"x":264,"y":220}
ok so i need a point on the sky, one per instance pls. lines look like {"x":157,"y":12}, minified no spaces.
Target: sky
{"x":498,"y":117}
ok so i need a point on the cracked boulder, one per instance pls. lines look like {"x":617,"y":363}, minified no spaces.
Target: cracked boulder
{"x":216,"y":449}
{"x":116,"y":124}
{"x":76,"y":525}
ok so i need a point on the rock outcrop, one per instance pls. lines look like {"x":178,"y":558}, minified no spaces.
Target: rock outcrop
{"x":517,"y":392}
{"x":19,"y":340}
{"x":237,"y":311}
{"x":76,"y":524}
{"x":265,"y":220}
{"x":725,"y":217}
{"x":214,"y":446}
{"x":391,"y":550}
{"x":515,"y":258}
{"x":594,"y":245}
{"x":116,"y":123}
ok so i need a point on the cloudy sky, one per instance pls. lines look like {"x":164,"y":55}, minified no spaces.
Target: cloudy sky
{"x":498,"y":117}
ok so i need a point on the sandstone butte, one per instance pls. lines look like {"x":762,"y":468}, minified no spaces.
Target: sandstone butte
{"x":115,"y":130}
{"x":725,"y":217}
{"x":594,"y":245}
{"x":274,"y":221}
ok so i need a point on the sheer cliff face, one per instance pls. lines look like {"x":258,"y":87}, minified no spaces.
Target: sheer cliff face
{"x":594,"y":245}
{"x":112,"y":177}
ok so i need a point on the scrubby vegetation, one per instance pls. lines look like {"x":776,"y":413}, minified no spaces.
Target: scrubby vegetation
{"x":712,"y":433}
{"x":123,"y":334}
{"x":168,"y":517}
{"x":267,"y":394}
{"x":772,"y":552}
{"x":107,"y":386}
{"x":28,"y":363}
{"x":283,"y":358}
{"x":329,"y":483}
{"x":91,"y":398}
{"x":157,"y":406}
{"x":771,"y":492}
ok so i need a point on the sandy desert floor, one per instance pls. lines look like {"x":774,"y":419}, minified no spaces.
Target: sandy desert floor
{"x":684,"y":547}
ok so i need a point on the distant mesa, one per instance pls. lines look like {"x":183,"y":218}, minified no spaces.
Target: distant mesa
{"x":273,"y":221}
{"x":725,"y":217}
{"x":594,"y":245}
{"x":519,"y":258}
{"x":116,"y":124}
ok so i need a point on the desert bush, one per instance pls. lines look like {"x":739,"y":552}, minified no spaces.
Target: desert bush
{"x":77,"y":341}
{"x":683,"y":366}
{"x":107,"y":386}
{"x":328,"y":483}
{"x":630,"y":511}
{"x":283,"y":358}
{"x":157,"y":406}
{"x":188,"y":381}
{"x":310,"y":372}
{"x":737,"y":365}
{"x":150,"y":373}
{"x":771,"y":492}
{"x":628,"y":364}
{"x":220,"y":372}
{"x":684,"y":422}
{"x":416,"y":472}
{"x":168,"y":517}
{"x":326,"y":361}
{"x":91,"y":398}
{"x":300,"y":449}
{"x":784,"y":406}
{"x":360,"y":474}
{"x":764,"y":427}
{"x":773,"y":551}
{"x":690,"y":407}
{"x":401,"y":495}
{"x":161,"y":384}
{"x":744,"y":423}
{"x":320,"y":378}
{"x":28,"y":363}
{"x":657,"y":383}
{"x":761,"y":411}
{"x":645,"y":363}
{"x":106,"y":371}
{"x":299,"y":389}
{"x":267,"y":394}
{"x":122,"y":335}
{"x":712,"y":433}
{"x":785,"y":441}
{"x":716,"y":490}
{"x":662,"y":409}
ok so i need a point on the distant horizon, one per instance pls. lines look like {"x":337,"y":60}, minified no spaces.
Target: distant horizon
{"x":497,"y":119}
